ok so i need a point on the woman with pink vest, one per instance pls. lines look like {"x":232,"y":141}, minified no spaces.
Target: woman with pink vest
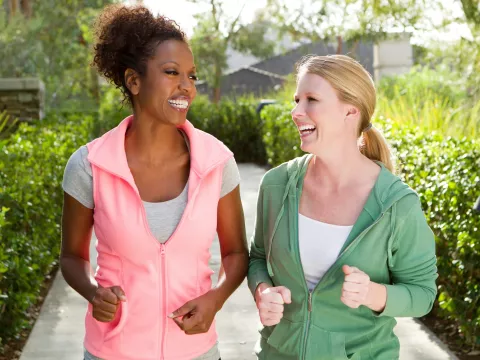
{"x":156,"y":191}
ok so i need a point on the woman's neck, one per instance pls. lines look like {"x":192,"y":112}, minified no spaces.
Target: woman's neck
{"x":152,"y":142}
{"x":340,"y":168}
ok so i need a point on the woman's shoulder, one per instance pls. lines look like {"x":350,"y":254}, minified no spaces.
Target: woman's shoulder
{"x":78,"y":161}
{"x":208,"y":142}
{"x":279,"y":175}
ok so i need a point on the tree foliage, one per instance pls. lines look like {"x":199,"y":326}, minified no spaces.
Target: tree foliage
{"x":54,"y":45}
{"x":216,"y":32}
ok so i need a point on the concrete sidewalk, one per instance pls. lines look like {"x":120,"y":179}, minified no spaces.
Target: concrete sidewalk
{"x":58,"y":333}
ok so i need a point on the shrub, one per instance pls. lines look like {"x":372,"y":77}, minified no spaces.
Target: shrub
{"x":280,"y":135}
{"x":446,"y":174}
{"x":431,"y":99}
{"x":235,"y":122}
{"x":32,"y":162}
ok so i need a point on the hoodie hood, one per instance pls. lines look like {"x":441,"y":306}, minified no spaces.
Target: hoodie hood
{"x":387,"y":191}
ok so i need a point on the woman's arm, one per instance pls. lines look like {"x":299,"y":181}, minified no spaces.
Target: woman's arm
{"x":197,"y":315}
{"x":77,"y":224}
{"x":233,"y":245}
{"x":258,"y":278}
{"x":413,"y":267}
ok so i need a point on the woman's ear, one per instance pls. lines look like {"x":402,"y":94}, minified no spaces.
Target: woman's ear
{"x":352,"y":115}
{"x":132,"y":81}
{"x":352,"y":112}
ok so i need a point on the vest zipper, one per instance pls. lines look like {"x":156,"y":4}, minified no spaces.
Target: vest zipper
{"x":163,"y":296}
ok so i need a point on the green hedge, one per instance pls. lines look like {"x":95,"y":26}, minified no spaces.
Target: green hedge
{"x":32,"y":162}
{"x":280,"y":136}
{"x":446,"y":174}
{"x":235,"y":122}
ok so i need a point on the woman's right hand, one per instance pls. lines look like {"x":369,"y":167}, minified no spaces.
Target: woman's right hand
{"x":270,"y":302}
{"x":106,"y":301}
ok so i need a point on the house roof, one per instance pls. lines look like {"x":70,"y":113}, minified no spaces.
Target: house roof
{"x":248,"y":68}
{"x":267,"y":74}
{"x":284,"y":64}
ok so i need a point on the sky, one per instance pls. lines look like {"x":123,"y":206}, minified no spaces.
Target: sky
{"x":183,"y":13}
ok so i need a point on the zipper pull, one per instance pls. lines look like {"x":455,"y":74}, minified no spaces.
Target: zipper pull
{"x":162,"y":249}
{"x":310,"y":301}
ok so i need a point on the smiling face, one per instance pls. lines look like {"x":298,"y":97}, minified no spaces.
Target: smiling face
{"x":167,"y":89}
{"x":320,"y":116}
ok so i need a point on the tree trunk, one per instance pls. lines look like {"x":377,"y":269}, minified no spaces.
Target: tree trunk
{"x":13,"y":7}
{"x":26,"y":6}
{"x":339,"y":44}
{"x":217,"y":84}
{"x":354,"y":49}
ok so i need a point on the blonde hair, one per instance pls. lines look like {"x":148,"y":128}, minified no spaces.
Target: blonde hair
{"x":354,"y":86}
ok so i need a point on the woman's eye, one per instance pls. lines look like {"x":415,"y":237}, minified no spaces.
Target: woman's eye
{"x":296,"y":101}
{"x":171,"y":72}
{"x":194,"y":77}
{"x":311,"y":99}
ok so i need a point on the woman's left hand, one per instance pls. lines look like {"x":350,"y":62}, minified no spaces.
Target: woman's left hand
{"x":196,"y":316}
{"x":355,"y":288}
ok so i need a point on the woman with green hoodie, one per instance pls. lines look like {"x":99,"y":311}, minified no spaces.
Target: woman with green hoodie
{"x":341,"y":244}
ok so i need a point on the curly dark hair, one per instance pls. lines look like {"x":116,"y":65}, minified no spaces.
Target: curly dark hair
{"x":126,"y":37}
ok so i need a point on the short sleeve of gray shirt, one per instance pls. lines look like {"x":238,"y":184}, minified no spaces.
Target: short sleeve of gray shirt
{"x":78,"y":179}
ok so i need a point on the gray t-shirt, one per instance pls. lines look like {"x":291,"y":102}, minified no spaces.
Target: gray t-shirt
{"x":162,"y":217}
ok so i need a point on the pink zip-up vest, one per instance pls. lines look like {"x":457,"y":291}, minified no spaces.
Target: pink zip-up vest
{"x":157,"y":278}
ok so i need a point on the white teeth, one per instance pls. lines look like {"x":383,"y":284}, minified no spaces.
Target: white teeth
{"x":306,"y":127}
{"x":181,"y":104}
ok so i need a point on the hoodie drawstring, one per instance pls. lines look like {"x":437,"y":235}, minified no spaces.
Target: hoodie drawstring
{"x":393,"y":216}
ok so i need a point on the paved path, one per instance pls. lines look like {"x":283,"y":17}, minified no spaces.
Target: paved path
{"x":58,"y":333}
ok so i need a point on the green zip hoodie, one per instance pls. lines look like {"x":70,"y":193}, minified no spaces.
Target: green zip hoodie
{"x":391,"y":242}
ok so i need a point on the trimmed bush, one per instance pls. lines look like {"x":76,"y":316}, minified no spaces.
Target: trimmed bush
{"x":446,"y":174}
{"x":235,"y":122}
{"x":280,"y":135}
{"x":32,"y":161}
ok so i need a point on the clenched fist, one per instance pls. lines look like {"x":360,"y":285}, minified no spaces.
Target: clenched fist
{"x":270,"y":301}
{"x":355,"y":288}
{"x":106,"y":301}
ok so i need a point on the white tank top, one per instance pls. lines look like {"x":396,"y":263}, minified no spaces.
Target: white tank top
{"x":320,"y":245}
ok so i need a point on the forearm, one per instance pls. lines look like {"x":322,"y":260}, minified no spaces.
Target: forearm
{"x":77,"y":274}
{"x":260,"y":288}
{"x":376,"y":297}
{"x":408,"y":300}
{"x":257,"y":270}
{"x":235,"y":268}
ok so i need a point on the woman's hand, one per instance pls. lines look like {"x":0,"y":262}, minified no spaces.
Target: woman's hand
{"x":270,"y":301}
{"x":196,"y":316}
{"x":359,"y":290}
{"x":106,"y":301}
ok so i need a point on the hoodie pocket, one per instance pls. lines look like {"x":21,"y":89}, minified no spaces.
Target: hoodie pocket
{"x":325,"y":345}
{"x":286,"y":337}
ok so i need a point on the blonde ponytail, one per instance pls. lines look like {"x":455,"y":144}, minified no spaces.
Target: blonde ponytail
{"x":375,"y":147}
{"x":354,"y":86}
